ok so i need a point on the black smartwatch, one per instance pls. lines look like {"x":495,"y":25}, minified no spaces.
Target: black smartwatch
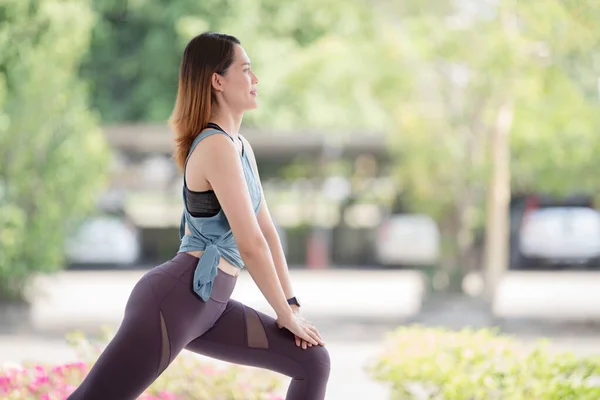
{"x":293,"y":301}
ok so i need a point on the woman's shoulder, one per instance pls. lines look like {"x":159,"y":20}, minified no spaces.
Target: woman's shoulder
{"x":210,"y":145}
{"x":215,"y":139}
{"x":209,"y":132}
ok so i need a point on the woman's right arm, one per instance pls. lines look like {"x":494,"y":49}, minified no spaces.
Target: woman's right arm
{"x":220,"y":161}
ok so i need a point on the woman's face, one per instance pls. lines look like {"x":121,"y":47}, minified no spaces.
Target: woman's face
{"x":238,"y":85}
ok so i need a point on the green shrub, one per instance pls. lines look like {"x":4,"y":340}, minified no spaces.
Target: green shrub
{"x":437,"y":364}
{"x":53,"y":156}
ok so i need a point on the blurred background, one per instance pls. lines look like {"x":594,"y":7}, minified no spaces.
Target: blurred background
{"x":431,"y":162}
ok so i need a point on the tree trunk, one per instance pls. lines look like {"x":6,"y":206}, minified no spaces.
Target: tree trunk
{"x":456,"y":247}
{"x":497,"y":218}
{"x":449,"y":260}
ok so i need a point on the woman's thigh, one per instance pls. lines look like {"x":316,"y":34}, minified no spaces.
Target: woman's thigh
{"x":245,"y":336}
{"x":162,"y":315}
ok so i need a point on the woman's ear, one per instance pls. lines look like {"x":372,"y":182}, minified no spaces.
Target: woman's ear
{"x":217,"y":82}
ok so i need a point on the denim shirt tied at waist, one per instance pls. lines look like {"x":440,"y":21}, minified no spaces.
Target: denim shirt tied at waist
{"x":213,"y":234}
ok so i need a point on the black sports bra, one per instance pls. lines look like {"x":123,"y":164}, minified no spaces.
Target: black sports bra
{"x":204,"y":204}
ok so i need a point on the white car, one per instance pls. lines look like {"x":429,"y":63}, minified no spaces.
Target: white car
{"x":560,"y":235}
{"x":408,"y":240}
{"x":104,"y":240}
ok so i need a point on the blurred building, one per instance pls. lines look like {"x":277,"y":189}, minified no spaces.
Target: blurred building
{"x":146,"y":185}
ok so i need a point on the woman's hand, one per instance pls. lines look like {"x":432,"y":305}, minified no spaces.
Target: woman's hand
{"x":300,"y":342}
{"x":306,"y":335}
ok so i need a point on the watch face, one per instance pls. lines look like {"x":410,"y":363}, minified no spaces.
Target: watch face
{"x":294,"y":301}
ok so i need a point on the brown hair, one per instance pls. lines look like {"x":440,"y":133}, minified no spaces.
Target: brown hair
{"x":204,"y":55}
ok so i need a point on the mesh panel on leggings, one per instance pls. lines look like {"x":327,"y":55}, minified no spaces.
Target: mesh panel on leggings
{"x":166,"y":348}
{"x":255,"y":331}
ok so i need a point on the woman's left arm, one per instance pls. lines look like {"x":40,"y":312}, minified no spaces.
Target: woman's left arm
{"x":270,"y":233}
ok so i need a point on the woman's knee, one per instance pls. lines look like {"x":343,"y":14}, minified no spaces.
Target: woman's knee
{"x":318,"y":363}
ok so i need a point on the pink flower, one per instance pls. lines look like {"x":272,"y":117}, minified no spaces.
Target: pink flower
{"x":69,"y":388}
{"x":5,"y":388}
{"x":76,"y":365}
{"x":80,"y":365}
{"x":54,"y":382}
{"x":33,"y":388}
{"x":147,"y":396}
{"x":209,"y":371}
{"x":4,"y":381}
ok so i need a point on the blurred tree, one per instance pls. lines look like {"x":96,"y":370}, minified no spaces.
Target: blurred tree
{"x":488,"y":76}
{"x":52,"y":154}
{"x":317,"y":63}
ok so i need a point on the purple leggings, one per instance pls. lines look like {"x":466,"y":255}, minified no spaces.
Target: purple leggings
{"x":164,"y":316}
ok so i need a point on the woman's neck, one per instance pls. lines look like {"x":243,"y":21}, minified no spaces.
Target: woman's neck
{"x":229,"y":122}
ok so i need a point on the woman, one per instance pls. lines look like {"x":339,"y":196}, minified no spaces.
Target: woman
{"x":185,"y":303}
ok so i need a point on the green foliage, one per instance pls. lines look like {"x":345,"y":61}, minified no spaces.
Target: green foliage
{"x":316,"y":63}
{"x":438,"y":364}
{"x":555,"y":141}
{"x":465,"y":62}
{"x":52,"y":154}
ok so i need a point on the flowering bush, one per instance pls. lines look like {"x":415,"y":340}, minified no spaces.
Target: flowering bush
{"x":188,"y":377}
{"x":436,"y":364}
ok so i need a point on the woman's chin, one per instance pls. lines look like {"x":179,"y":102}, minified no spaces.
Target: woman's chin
{"x":253,"y":105}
